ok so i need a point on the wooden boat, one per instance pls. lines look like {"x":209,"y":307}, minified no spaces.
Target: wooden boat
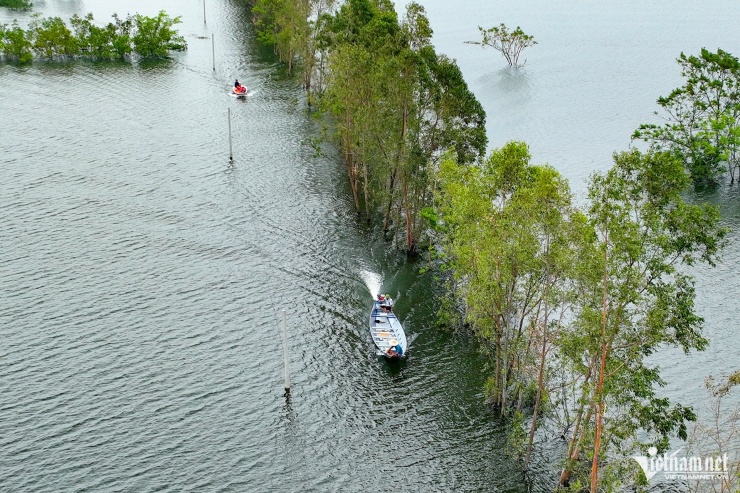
{"x":385,"y":328}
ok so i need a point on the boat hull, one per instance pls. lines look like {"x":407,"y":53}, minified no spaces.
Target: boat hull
{"x":384,"y":327}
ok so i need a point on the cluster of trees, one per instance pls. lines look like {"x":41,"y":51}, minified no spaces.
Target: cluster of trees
{"x":701,"y":116}
{"x":51,"y":38}
{"x":567,"y":301}
{"x":16,"y":4}
{"x":393,"y":105}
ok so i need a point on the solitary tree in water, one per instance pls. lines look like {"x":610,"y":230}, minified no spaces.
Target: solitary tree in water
{"x":702,"y":126}
{"x":510,"y":44}
{"x":16,"y":4}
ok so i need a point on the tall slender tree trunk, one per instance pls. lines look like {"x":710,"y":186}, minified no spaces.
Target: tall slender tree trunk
{"x":540,"y":378}
{"x":349,"y":158}
{"x":575,"y":452}
{"x":365,"y":185}
{"x":497,"y":373}
{"x":391,"y":188}
{"x":407,"y":214}
{"x":505,"y":370}
{"x":598,"y":394}
{"x":575,"y":440}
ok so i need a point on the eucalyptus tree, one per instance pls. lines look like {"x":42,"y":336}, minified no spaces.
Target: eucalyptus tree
{"x":702,"y":117}
{"x":437,"y":112}
{"x":395,"y":105}
{"x":509,"y":235}
{"x":405,"y":105}
{"x":634,"y":298}
{"x":284,"y":24}
{"x":360,"y":40}
{"x":293,"y":28}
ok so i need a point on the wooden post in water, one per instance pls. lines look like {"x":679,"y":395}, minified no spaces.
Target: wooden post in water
{"x":285,"y":355}
{"x":213,"y":51}
{"x":231,"y":152}
{"x":204,"y":11}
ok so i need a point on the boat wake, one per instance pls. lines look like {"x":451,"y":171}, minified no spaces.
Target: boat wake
{"x":372,"y":281}
{"x":247,"y":94}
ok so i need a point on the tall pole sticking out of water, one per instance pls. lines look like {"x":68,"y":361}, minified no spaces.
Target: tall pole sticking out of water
{"x":231,"y":153}
{"x":285,"y":354}
{"x":213,"y":51}
{"x":204,"y":11}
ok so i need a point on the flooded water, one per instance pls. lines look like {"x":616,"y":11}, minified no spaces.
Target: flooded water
{"x":591,"y":80}
{"x":142,"y":273}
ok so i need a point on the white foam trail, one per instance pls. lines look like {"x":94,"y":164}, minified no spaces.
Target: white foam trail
{"x":372,"y":281}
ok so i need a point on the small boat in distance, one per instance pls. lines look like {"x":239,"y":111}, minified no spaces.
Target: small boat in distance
{"x":385,"y":329}
{"x":239,"y":89}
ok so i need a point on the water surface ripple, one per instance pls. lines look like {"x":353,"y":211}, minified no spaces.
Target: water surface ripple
{"x":142,"y":274}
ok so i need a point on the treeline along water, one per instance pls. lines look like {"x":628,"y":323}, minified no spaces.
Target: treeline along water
{"x":141,"y":276}
{"x":141,"y":273}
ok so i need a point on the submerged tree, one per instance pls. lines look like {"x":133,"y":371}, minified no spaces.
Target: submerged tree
{"x":509,"y":43}
{"x":510,"y":235}
{"x":544,"y":285}
{"x":16,"y":4}
{"x":108,"y":42}
{"x":50,"y":38}
{"x":396,"y":106}
{"x":633,"y":299}
{"x":702,"y":124}
{"x":154,"y":37}
{"x":14,"y":43}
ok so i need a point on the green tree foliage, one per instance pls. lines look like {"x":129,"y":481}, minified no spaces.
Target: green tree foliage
{"x":15,"y":44}
{"x":16,"y":4}
{"x":633,"y":299}
{"x":283,"y":24}
{"x":393,"y":105}
{"x":702,"y":117}
{"x":509,"y":43}
{"x":511,"y":237}
{"x":103,"y":43}
{"x":292,"y":27}
{"x":50,"y":38}
{"x":547,"y":288}
{"x":154,"y":37}
{"x":398,"y":105}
